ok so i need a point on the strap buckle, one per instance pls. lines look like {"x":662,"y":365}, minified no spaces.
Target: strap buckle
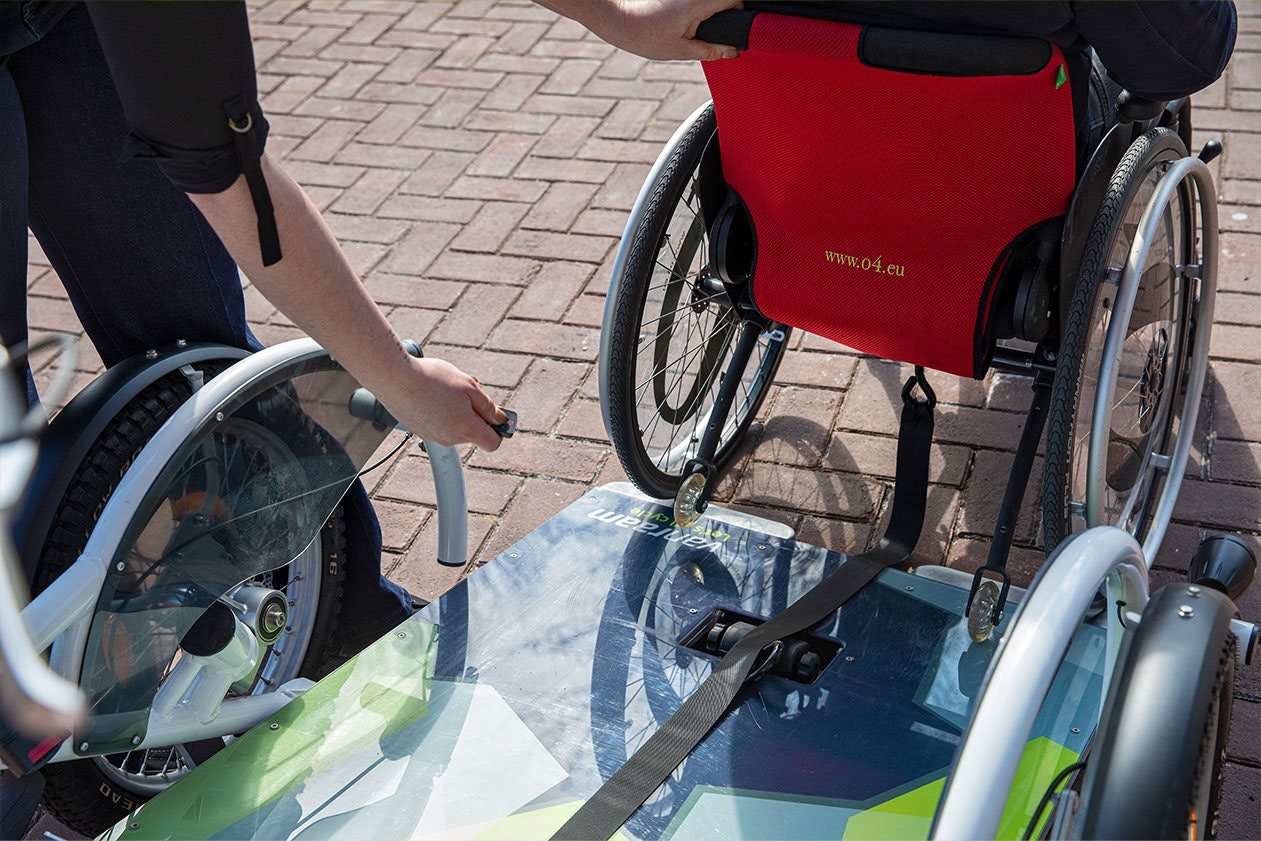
{"x":766,"y":661}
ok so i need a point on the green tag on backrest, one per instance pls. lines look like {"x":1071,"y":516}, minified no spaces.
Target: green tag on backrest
{"x":1060,"y":77}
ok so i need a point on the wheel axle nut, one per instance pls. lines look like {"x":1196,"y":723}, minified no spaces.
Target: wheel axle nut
{"x":1186,"y":611}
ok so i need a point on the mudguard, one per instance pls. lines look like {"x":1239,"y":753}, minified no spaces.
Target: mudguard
{"x":77,"y":426}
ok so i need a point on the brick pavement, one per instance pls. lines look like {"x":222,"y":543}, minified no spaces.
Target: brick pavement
{"x":477,"y":161}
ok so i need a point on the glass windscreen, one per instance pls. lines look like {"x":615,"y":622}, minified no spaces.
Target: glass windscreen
{"x":240,"y":499}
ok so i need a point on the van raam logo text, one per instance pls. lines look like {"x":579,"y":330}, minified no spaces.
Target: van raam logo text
{"x":867,"y":264}
{"x":664,"y":526}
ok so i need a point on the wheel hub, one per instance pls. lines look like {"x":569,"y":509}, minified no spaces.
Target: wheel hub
{"x":1151,"y":385}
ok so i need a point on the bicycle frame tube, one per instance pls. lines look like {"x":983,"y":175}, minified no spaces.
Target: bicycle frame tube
{"x":61,"y":615}
{"x":1024,"y":666}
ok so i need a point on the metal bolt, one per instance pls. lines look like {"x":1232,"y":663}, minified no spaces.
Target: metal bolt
{"x":761,"y":546}
{"x":849,"y":658}
{"x":909,"y":588}
{"x":120,"y":566}
{"x":134,"y":825}
{"x":83,"y":746}
{"x":402,"y":635}
{"x":1193,"y":591}
{"x":218,"y":416}
{"x":150,"y":354}
{"x":1076,"y":729}
{"x":1186,"y":611}
{"x":273,"y":726}
{"x":514,"y":554}
{"x":692,"y":610}
{"x":135,"y":740}
{"x":181,"y":342}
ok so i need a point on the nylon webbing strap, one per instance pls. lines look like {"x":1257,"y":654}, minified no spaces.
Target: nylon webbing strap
{"x":615,"y":801}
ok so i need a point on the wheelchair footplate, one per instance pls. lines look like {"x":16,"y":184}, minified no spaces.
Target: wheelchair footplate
{"x":501,"y":708}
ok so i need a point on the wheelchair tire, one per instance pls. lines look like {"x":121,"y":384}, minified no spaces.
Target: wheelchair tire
{"x":658,"y":395}
{"x":90,"y":795}
{"x":1155,"y":769}
{"x":1151,"y":356}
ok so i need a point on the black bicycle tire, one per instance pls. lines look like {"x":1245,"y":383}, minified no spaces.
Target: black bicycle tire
{"x":77,"y":792}
{"x":1062,"y":418}
{"x":631,"y":294}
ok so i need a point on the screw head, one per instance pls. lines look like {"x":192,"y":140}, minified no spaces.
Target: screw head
{"x":83,"y":746}
{"x":909,"y":588}
{"x":135,"y":740}
{"x":120,"y":566}
{"x":219,"y":416}
{"x":1186,"y":611}
{"x":402,"y":635}
{"x":1193,"y":591}
{"x":692,"y":610}
{"x":181,"y":342}
{"x":1076,"y":729}
{"x":133,"y":825}
{"x":273,"y":726}
{"x":849,"y":658}
{"x":514,"y":554}
{"x":150,"y":354}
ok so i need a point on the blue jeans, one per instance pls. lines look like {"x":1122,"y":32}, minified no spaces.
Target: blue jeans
{"x":141,"y":266}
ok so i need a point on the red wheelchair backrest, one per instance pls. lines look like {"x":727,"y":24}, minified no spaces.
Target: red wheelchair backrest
{"x":886,"y":202}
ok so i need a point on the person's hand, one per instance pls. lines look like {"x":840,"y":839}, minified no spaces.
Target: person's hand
{"x":656,"y":29}
{"x":440,"y":403}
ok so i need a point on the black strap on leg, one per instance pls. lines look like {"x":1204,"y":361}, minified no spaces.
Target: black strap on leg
{"x":249,"y":153}
{"x":753,"y":656}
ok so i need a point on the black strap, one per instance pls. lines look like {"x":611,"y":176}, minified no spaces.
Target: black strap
{"x":247,"y":136}
{"x":613,"y":804}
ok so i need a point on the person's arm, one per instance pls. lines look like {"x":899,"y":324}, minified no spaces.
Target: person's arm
{"x":657,"y":29}
{"x":185,"y":76}
{"x":1160,"y":50}
{"x":315,"y":286}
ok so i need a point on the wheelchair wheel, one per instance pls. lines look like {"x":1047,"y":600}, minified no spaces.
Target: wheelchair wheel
{"x":1121,"y":371}
{"x":92,"y":794}
{"x":668,"y":343}
{"x":1156,"y":768}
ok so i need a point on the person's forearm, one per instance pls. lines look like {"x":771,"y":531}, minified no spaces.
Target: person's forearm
{"x":313,"y":284}
{"x":657,"y":29}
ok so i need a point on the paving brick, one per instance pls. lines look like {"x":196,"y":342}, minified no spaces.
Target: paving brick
{"x":1240,"y":269}
{"x":476,"y":314}
{"x":816,"y":369}
{"x":437,"y":173}
{"x":1221,"y":504}
{"x":365,"y":228}
{"x":838,"y":535}
{"x":970,"y":553}
{"x":550,"y":291}
{"x":503,"y":154}
{"x":490,"y":227}
{"x":553,"y":169}
{"x":609,"y":223}
{"x":412,"y":481}
{"x":559,"y":207}
{"x":537,"y":500}
{"x":1231,"y":341}
{"x":429,"y":209}
{"x":414,"y":323}
{"x":570,"y":77}
{"x":339,"y":109}
{"x":386,"y":288}
{"x":420,"y":571}
{"x":1241,"y":802}
{"x":559,"y":340}
{"x":587,"y":310}
{"x":414,"y":254}
{"x":484,"y":268}
{"x":368,"y":193}
{"x":538,"y":455}
{"x":1236,"y":461}
{"x":381,"y":90}
{"x":553,"y":246}
{"x":799,"y":435}
{"x":547,"y":390}
{"x":391,"y":124}
{"x":876,"y":455}
{"x":1236,"y":410}
{"x":817,"y":491}
{"x":984,"y":494}
{"x":501,"y":189}
{"x":584,"y":420}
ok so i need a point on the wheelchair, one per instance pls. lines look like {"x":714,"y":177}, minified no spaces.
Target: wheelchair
{"x":942,"y":217}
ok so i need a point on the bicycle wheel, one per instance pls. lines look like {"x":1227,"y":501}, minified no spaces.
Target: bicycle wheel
{"x":92,"y":794}
{"x":1119,"y":382}
{"x":1157,"y":768}
{"x":668,"y":340}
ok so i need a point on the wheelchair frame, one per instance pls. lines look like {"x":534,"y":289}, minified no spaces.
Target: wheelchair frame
{"x":60,"y":617}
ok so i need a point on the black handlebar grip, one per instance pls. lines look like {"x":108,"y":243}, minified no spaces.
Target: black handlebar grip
{"x":729,"y":28}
